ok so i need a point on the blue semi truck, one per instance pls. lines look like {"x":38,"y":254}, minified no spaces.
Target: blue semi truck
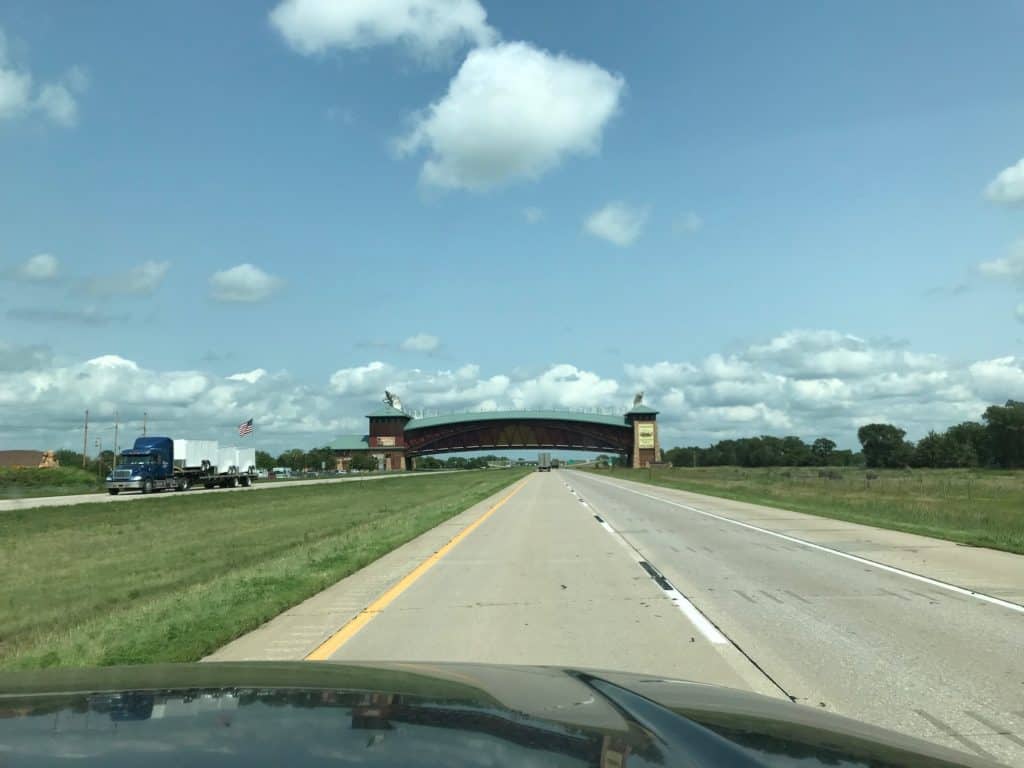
{"x":150,"y":465}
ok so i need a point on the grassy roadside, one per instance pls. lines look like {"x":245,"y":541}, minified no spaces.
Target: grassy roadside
{"x":174,"y":579}
{"x":983,"y":508}
{"x":23,"y":483}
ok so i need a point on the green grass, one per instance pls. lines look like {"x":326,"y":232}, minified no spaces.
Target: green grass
{"x":19,"y":483}
{"x":980,"y":507}
{"x":176,"y":578}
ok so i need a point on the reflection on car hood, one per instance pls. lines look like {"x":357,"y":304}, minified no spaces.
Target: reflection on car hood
{"x":420,"y":715}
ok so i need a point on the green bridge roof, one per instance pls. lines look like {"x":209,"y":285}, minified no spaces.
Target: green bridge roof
{"x":351,"y":443}
{"x":462,"y":418}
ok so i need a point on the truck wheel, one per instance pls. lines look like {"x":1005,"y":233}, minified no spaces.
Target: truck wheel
{"x":183,"y":485}
{"x":112,"y":491}
{"x":208,"y":486}
{"x":246,"y":482}
{"x":233,"y":482}
{"x":147,"y":487}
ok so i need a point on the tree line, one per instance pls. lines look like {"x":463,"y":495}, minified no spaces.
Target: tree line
{"x":996,"y":441}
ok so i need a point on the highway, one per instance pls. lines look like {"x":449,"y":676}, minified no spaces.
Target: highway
{"x":573,"y":569}
{"x":31,"y":502}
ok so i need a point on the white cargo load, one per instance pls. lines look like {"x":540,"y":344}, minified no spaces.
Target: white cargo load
{"x":227,"y":459}
{"x":246,"y":459}
{"x":192,"y":453}
{"x":235,"y":459}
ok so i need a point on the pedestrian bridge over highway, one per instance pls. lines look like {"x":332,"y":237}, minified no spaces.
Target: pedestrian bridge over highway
{"x":397,"y":438}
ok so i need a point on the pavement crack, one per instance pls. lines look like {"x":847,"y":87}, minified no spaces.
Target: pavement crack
{"x":949,"y":731}
{"x":996,"y":728}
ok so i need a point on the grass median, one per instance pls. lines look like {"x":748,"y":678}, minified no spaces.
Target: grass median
{"x":173,"y":579}
{"x":980,"y":507}
{"x":29,"y":482}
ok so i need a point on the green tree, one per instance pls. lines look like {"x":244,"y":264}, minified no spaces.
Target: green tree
{"x":321,"y":458}
{"x":795,"y":452}
{"x":1005,"y":427}
{"x":932,"y":450}
{"x":972,"y":437}
{"x":366,"y":462}
{"x":821,"y":450}
{"x":883,"y":445}
{"x":294,"y":459}
{"x":264,"y":460}
{"x":68,"y":458}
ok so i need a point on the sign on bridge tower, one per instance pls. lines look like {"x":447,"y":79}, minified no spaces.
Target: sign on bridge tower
{"x":644,"y":421}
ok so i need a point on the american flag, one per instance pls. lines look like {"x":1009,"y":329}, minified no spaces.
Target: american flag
{"x":245,"y":428}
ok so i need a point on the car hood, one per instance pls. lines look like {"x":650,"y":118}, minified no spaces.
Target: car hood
{"x":423,"y":714}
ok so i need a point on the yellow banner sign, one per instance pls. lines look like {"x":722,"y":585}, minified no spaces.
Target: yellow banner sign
{"x":645,"y":434}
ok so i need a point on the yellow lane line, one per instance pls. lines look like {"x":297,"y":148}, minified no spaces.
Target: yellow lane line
{"x":331,"y":645}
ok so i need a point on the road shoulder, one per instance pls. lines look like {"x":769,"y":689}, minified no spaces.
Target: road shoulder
{"x":298,"y":631}
{"x":988,"y":571}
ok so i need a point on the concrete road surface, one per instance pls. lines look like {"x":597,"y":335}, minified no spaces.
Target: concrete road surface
{"x":572,"y":569}
{"x":7,"y":505}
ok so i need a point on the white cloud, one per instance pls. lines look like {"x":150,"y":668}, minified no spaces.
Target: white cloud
{"x":361,"y":380}
{"x":564,"y":386}
{"x":55,"y":100}
{"x":770,"y":387}
{"x":181,"y":402}
{"x":617,"y":223}
{"x":512,"y":111}
{"x":244,"y":283}
{"x":421,"y":342}
{"x":1008,"y":186}
{"x":533,"y":215}
{"x":819,"y":382}
{"x":59,"y":105}
{"x":687,"y":223}
{"x":1020,"y":312}
{"x":1009,"y":267}
{"x":15,"y":89}
{"x":428,"y":27}
{"x":250,"y":377}
{"x":816,"y":354}
{"x":998,"y":379}
{"x":39,"y":268}
{"x":141,"y":280}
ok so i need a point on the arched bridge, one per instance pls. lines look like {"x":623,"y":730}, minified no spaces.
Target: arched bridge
{"x":506,"y":430}
{"x":396,"y":438}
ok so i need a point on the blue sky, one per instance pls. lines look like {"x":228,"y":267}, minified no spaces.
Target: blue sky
{"x":677,"y":184}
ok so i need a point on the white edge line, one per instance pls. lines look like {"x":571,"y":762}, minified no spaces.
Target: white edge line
{"x":688,"y":609}
{"x":821,"y":548}
{"x":698,"y":619}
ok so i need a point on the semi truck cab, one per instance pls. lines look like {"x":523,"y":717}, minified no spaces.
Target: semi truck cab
{"x":148,"y":466}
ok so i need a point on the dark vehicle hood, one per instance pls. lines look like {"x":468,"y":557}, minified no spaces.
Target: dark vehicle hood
{"x":298,"y":713}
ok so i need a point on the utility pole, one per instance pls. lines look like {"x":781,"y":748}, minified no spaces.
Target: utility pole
{"x":115,"y":434}
{"x":694,"y":458}
{"x":85,"y":439}
{"x":144,"y":415}
{"x":99,"y":456}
